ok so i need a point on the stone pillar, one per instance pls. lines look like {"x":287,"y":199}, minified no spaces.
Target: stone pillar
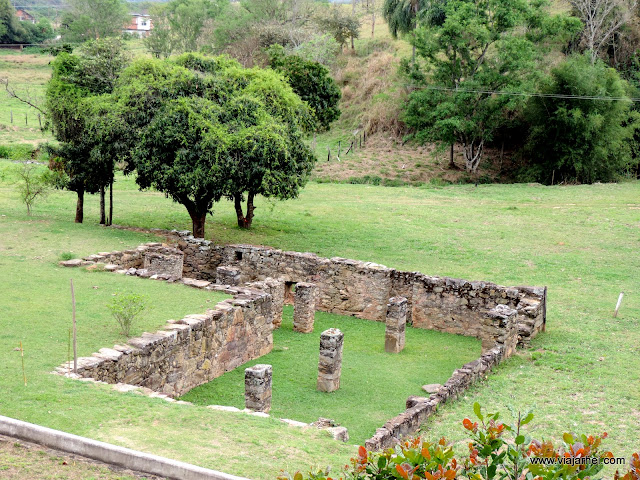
{"x":304,"y":307}
{"x":396,"y":321}
{"x":330,"y":362}
{"x":257,"y":388}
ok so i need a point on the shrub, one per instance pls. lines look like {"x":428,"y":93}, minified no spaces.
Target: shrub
{"x":125,"y":308}
{"x":496,"y":451}
{"x":33,"y":184}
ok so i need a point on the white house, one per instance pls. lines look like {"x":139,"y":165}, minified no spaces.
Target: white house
{"x":139,"y":25}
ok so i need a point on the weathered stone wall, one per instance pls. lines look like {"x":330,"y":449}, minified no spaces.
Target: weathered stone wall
{"x":501,"y":317}
{"x":362,"y":289}
{"x":420,"y":408}
{"x":190,"y":351}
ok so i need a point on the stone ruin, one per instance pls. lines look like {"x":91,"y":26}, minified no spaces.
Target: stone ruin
{"x":199,"y":348}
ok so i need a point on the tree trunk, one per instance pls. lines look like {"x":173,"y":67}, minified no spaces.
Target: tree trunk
{"x":244,"y":221}
{"x":452,"y":164}
{"x":197,"y":223}
{"x":472,"y":156}
{"x":103,"y":217}
{"x":80,"y":206}
{"x":373,"y":23}
{"x":111,"y":203}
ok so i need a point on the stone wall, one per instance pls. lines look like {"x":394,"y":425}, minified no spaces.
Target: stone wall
{"x":362,"y":289}
{"x":501,"y":317}
{"x":187,"y":352}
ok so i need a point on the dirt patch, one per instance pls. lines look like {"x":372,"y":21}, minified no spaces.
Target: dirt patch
{"x":20,"y":460}
{"x":385,"y":157}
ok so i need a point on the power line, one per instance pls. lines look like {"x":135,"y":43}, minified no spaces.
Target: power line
{"x":524,"y":94}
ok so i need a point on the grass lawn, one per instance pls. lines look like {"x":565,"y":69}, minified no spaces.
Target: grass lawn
{"x":373,"y":384}
{"x":580,"y":241}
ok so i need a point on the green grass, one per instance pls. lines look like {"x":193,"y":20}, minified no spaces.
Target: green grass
{"x":374,"y":384}
{"x":580,"y":241}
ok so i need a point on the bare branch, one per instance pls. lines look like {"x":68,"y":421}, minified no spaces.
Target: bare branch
{"x":12,"y":93}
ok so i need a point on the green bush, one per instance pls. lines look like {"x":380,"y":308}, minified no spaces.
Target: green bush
{"x":496,"y":451}
{"x":125,"y":308}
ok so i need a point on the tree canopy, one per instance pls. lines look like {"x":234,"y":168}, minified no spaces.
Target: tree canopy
{"x":209,"y":129}
{"x":93,"y":19}
{"x":81,"y":116}
{"x":583,"y":140}
{"x":479,"y":57}
{"x":312,"y":82}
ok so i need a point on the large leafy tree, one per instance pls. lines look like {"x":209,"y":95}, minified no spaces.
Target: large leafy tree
{"x":581,"y":139}
{"x":479,"y":57}
{"x":82,"y":118}
{"x":210,"y":129}
{"x":93,"y":19}
{"x":312,"y":82}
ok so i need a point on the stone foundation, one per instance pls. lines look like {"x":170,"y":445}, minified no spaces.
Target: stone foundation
{"x":362,"y":289}
{"x":190,"y":351}
{"x":501,"y":317}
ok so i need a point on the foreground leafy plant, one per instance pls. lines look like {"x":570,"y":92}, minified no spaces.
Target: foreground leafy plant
{"x":496,"y":451}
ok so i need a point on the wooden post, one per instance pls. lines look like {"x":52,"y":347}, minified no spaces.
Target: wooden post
{"x":328,"y":153}
{"x":26,"y":119}
{"x":40,"y":120}
{"x":24,"y":374}
{"x":75,"y":349}
{"x":69,"y":353}
{"x":339,"y":147}
{"x":11,"y":112}
{"x":615,"y":314}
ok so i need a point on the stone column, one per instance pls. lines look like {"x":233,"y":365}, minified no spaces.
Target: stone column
{"x":304,"y":307}
{"x":396,"y":321}
{"x":257,"y":388}
{"x":330,"y":363}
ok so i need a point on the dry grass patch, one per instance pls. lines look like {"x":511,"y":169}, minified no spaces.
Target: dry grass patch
{"x":20,"y":460}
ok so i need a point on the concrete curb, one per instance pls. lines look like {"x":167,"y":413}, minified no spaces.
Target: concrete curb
{"x":104,"y":452}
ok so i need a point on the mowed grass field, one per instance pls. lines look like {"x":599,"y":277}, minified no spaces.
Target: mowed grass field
{"x":373,"y":383}
{"x":581,"y":375}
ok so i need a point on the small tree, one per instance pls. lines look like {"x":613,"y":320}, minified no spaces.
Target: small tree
{"x":33,"y":184}
{"x":125,"y":309}
{"x":160,"y":42}
{"x":341,"y":25}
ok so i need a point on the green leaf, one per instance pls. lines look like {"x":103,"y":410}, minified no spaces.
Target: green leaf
{"x":297,"y":476}
{"x":382,"y":462}
{"x":526,"y":419}
{"x":478,"y":410}
{"x":568,"y":438}
{"x":520,"y":440}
